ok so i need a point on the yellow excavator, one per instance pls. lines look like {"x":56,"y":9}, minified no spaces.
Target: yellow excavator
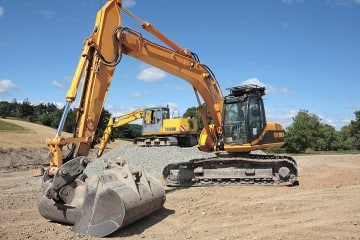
{"x":99,"y":203}
{"x":158,"y":128}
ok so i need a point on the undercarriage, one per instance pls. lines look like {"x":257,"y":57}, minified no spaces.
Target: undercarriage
{"x":233,"y":169}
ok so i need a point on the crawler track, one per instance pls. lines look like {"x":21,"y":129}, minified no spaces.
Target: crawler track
{"x":228,"y":170}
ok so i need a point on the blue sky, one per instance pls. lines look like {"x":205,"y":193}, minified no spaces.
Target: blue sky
{"x":306,"y":52}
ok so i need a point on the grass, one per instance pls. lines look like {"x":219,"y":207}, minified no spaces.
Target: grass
{"x":16,"y":133}
{"x":7,"y":127}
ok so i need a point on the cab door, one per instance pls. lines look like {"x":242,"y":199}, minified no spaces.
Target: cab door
{"x":234,"y":118}
{"x":256,"y":117}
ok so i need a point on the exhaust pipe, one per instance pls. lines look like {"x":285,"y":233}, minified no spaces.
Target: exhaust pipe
{"x":105,"y":202}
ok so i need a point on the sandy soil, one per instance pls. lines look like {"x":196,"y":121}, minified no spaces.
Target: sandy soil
{"x":326,"y":205}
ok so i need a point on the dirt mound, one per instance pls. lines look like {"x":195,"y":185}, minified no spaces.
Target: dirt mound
{"x":14,"y":159}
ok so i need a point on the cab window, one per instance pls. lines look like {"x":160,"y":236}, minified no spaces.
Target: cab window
{"x":257,"y":120}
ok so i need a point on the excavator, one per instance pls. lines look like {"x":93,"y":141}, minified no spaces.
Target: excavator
{"x":98,"y":203}
{"x":158,"y":128}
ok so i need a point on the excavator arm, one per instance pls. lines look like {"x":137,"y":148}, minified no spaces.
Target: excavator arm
{"x":184,"y":66}
{"x":95,"y":69}
{"x":117,"y":121}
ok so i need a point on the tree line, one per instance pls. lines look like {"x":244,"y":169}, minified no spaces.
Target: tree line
{"x":305,"y":133}
{"x":308,"y":133}
{"x":49,"y":114}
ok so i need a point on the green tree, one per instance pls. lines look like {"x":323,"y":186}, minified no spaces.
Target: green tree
{"x":55,"y":117}
{"x":15,"y":109}
{"x":346,"y":141}
{"x":135,"y":131}
{"x":104,"y":118}
{"x":303,"y":133}
{"x":46,"y":119}
{"x":354,"y":131}
{"x":40,"y":109}
{"x":193,"y":112}
{"x":349,"y":136}
{"x":70,"y":122}
{"x":26,"y":109}
{"x":327,"y":138}
{"x":5,"y":109}
{"x":50,"y":108}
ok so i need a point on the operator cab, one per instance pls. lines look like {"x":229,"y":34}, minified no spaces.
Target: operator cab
{"x":244,"y":114}
{"x":153,"y":120}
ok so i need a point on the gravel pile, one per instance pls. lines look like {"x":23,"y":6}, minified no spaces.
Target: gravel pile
{"x":151,"y":159}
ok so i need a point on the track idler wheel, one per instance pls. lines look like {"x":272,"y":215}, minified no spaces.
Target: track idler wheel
{"x":104,"y":203}
{"x":284,"y":173}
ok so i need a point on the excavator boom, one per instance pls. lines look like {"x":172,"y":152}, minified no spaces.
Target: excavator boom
{"x":117,"y":121}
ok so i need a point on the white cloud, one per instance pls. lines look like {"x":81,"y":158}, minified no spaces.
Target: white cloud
{"x":180,"y":87}
{"x":150,"y":105}
{"x":255,"y":81}
{"x":171,"y":105}
{"x":151,"y":74}
{"x":174,"y":109}
{"x":6,"y":86}
{"x":269,"y":88}
{"x":2,"y":11}
{"x":345,"y":120}
{"x":280,"y":115}
{"x":60,"y":105}
{"x":129,"y":3}
{"x":284,"y":25}
{"x":68,"y":78}
{"x":285,"y":91}
{"x":57,"y":84}
{"x":176,"y":87}
{"x":111,"y":107}
{"x":46,"y":13}
{"x":118,"y":110}
{"x":291,"y":1}
{"x":344,"y":3}
{"x":137,"y":95}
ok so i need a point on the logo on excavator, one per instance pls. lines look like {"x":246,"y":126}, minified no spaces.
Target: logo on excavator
{"x":183,"y":128}
{"x":279,"y":134}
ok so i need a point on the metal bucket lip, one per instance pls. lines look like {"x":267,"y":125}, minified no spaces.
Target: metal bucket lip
{"x":107,"y":202}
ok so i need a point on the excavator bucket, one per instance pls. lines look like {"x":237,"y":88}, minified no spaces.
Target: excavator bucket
{"x":101,"y":204}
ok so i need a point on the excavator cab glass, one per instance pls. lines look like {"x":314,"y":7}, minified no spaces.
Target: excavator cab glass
{"x":257,"y":122}
{"x":235,"y":122}
{"x":165,"y":113}
{"x":244,"y":115}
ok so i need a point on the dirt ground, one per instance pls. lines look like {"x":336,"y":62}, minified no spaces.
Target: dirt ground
{"x":326,"y":205}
